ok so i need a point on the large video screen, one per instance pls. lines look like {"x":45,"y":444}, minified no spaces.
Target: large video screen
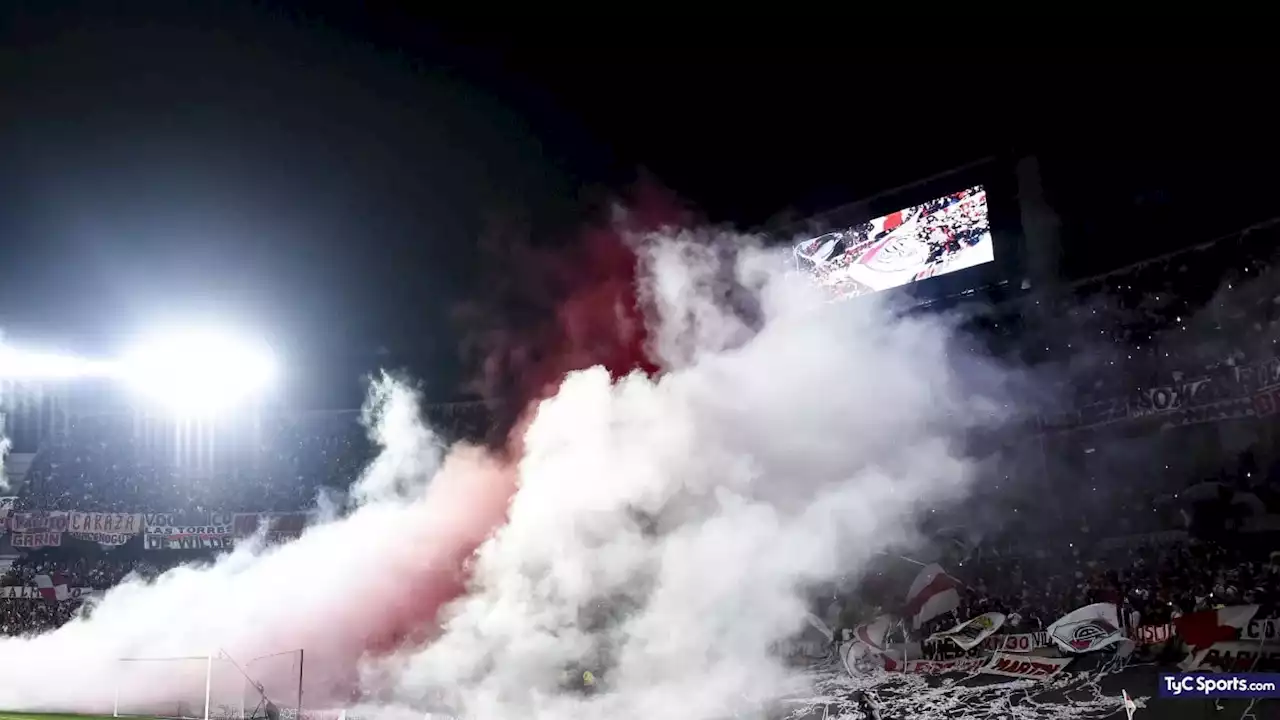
{"x":942,"y":236}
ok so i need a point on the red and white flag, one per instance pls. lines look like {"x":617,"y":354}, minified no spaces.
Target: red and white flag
{"x":932,"y":594}
{"x":53,"y":588}
{"x":1202,"y":629}
{"x":874,"y":633}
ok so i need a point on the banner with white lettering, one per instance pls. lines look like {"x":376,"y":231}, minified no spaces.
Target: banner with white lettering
{"x":105,"y":528}
{"x":24,"y":592}
{"x":1264,"y":629}
{"x":1153,"y":634}
{"x":32,"y":522}
{"x":1022,"y":666}
{"x":173,"y":519}
{"x":1240,"y":392}
{"x":187,"y":531}
{"x":36,"y":540}
{"x":189,"y":537}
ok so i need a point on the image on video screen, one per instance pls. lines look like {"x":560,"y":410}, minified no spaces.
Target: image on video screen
{"x":941,"y":236}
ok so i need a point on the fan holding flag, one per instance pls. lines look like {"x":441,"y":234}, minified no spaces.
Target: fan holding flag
{"x":933,"y":593}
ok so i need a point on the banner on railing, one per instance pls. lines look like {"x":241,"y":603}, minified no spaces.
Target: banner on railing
{"x":39,"y":522}
{"x":1249,"y":391}
{"x":35,"y":540}
{"x":189,"y":537}
{"x":1022,"y":666}
{"x":937,"y":667}
{"x":104,"y":528}
{"x":24,"y":592}
{"x":1153,"y":634}
{"x":1264,"y":629}
{"x":277,"y":527}
{"x":200,"y":531}
{"x":1017,"y":642}
{"x":1238,"y":656}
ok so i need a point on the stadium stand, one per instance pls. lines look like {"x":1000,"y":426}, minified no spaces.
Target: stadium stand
{"x":1148,"y":479}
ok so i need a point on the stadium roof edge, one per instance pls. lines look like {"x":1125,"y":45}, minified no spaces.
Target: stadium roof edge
{"x":767,"y":228}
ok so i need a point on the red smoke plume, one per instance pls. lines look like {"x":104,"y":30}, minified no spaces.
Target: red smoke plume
{"x":544,"y":314}
{"x":548,"y":312}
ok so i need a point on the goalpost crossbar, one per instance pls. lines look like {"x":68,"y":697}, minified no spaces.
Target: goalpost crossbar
{"x":208,"y":679}
{"x":239,"y":687}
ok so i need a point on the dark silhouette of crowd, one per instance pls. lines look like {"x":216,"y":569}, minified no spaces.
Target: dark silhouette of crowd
{"x":101,"y":465}
{"x":1102,"y":495}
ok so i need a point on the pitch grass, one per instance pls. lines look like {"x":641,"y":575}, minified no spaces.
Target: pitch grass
{"x":52,"y":716}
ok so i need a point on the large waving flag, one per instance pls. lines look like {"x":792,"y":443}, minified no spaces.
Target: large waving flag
{"x":1202,"y":629}
{"x":932,"y":594}
{"x":1092,"y":627}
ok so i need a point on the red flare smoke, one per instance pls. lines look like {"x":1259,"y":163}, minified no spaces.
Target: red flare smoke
{"x":573,"y":308}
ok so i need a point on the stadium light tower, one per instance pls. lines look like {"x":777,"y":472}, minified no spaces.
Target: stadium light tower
{"x":199,"y":373}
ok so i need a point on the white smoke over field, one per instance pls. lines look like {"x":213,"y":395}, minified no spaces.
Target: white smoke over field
{"x":661,"y":536}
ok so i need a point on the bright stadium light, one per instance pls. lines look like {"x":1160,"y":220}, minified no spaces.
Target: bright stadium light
{"x":199,"y":372}
{"x":25,"y":365}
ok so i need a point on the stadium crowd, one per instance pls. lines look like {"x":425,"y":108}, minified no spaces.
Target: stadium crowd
{"x":1158,"y":535}
{"x":100,"y":465}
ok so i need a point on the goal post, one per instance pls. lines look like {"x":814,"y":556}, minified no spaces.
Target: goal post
{"x":210,"y":687}
{"x":276,"y":677}
{"x":192,"y":687}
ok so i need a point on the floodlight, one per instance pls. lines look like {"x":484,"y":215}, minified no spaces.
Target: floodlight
{"x":199,"y":372}
{"x":24,"y":365}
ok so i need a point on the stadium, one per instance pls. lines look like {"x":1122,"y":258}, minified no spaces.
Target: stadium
{"x":346,"y":373}
{"x":156,"y":493}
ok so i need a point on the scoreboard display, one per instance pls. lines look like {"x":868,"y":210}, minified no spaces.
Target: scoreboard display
{"x":943,"y":235}
{"x":947,"y":236}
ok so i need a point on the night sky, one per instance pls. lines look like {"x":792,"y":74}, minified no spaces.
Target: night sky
{"x":323,"y":177}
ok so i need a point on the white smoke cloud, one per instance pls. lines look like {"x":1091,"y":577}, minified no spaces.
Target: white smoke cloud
{"x":662,"y":535}
{"x":767,"y":461}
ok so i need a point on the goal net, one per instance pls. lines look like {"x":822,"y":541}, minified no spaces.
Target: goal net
{"x":274,"y":678}
{"x":210,"y":687}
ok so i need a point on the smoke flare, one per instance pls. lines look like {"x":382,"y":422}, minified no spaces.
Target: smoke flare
{"x":658,"y":531}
